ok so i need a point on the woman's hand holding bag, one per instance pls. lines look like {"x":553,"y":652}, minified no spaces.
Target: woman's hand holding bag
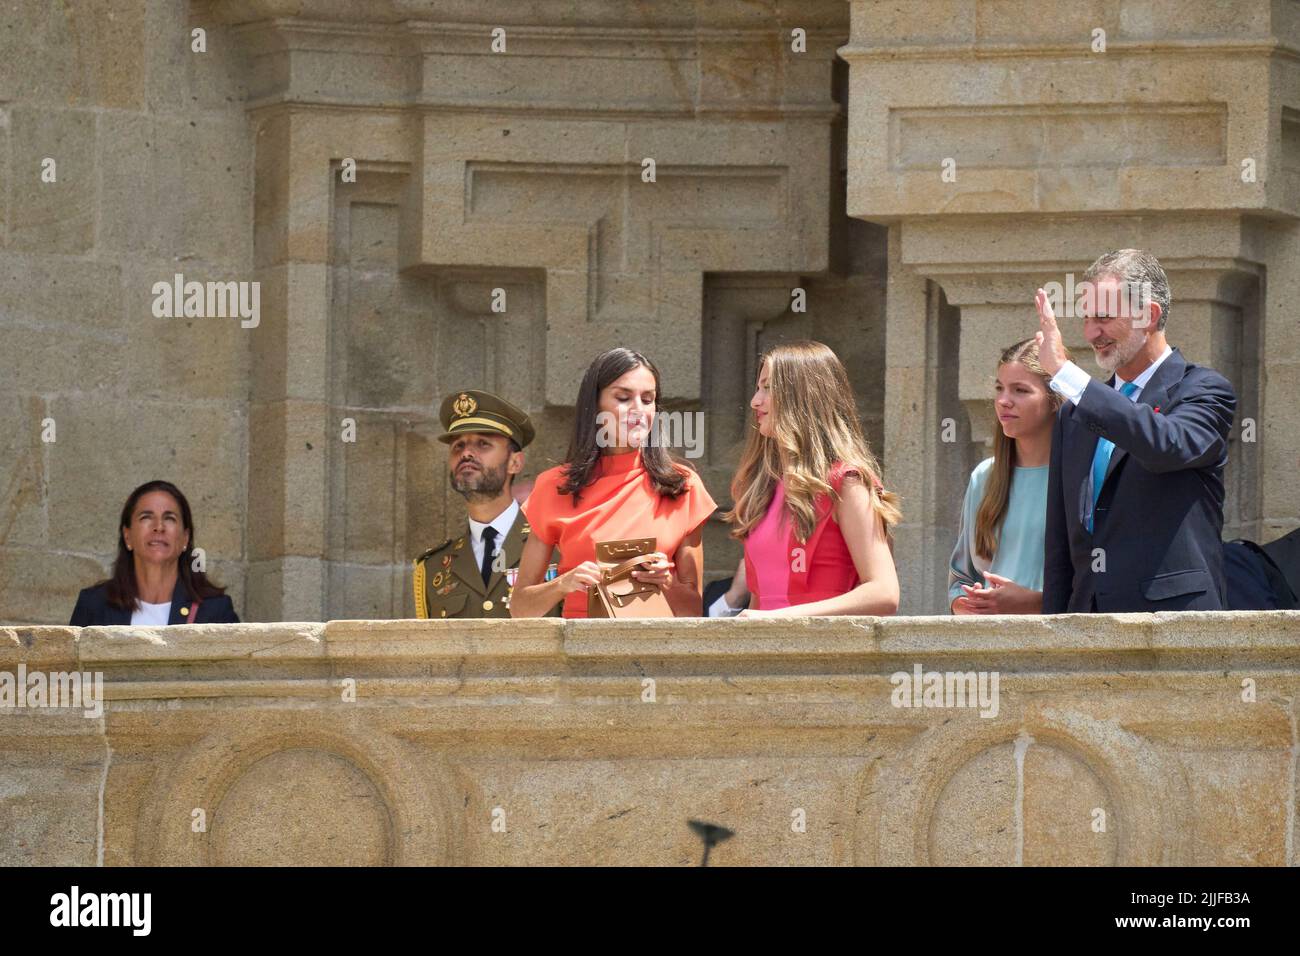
{"x":619,"y":594}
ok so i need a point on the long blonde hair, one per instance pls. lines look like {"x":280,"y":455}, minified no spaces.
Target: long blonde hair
{"x":814,"y":425}
{"x":997,"y":490}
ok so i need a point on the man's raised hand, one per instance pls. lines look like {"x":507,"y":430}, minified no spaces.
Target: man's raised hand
{"x":1051,"y":350}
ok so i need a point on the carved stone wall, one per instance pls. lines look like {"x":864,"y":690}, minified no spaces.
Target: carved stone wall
{"x":521,"y":170}
{"x":1117,"y":740}
{"x":506,"y":223}
{"x":1006,"y":144}
{"x":152,"y":176}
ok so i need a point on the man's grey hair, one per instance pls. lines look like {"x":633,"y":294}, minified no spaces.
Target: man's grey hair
{"x":1137,"y":271}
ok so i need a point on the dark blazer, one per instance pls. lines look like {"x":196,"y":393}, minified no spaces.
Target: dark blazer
{"x":1159,"y":519}
{"x":716,"y":589}
{"x":93,"y":609}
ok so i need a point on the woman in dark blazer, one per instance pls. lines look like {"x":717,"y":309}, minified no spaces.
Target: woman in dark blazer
{"x":153,"y":580}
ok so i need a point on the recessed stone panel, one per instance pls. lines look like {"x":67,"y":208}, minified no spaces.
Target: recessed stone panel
{"x":302,"y":808}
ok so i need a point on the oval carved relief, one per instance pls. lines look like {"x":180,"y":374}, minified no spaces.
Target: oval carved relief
{"x":302,"y":807}
{"x":990,"y":812}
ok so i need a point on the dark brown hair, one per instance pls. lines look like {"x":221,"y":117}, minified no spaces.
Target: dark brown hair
{"x":668,"y":477}
{"x":122,"y":590}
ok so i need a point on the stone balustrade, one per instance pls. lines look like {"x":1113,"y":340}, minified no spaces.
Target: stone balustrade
{"x":1120,"y":739}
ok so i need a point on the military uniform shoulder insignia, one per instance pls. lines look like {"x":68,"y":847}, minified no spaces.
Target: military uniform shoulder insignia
{"x":432,"y":551}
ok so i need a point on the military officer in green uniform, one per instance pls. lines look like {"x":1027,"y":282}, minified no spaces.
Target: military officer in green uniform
{"x":473,"y":573}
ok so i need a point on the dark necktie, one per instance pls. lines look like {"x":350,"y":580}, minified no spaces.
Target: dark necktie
{"x":489,"y":536}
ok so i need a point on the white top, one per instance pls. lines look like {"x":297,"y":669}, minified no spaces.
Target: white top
{"x":720,"y":608}
{"x":1071,"y":380}
{"x":151,"y":613}
{"x":502,"y":522}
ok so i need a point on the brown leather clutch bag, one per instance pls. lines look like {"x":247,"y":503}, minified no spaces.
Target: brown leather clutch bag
{"x":619,"y":594}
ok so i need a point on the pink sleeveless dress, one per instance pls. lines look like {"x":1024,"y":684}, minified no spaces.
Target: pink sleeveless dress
{"x":781,"y":572}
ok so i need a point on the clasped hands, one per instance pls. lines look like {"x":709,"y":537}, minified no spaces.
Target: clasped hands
{"x":1001,"y":596}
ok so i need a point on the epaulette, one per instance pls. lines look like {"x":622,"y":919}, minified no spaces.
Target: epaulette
{"x":432,"y":551}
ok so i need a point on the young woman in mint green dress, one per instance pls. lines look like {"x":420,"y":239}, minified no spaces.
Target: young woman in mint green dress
{"x":997,"y":563}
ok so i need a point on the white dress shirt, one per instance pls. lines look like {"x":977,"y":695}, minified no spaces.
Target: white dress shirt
{"x":502,"y":523}
{"x":1071,"y":380}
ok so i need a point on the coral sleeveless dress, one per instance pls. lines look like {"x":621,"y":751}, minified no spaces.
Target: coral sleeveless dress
{"x":620,"y":503}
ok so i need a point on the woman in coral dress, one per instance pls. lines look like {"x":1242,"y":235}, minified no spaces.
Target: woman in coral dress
{"x":616,"y":483}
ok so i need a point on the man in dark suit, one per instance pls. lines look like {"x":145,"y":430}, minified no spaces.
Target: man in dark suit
{"x":1135,"y":489}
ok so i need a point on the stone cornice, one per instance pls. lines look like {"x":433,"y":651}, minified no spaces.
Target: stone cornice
{"x":583,"y":41}
{"x":570,"y":111}
{"x":168,"y":659}
{"x":404,"y":60}
{"x":580,"y":14}
{"x":884,"y":52}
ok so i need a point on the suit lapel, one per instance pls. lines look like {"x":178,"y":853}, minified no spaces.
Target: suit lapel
{"x":1116,"y":453}
{"x":115,"y":615}
{"x":463,"y":566}
{"x":1154,"y":395}
{"x":1080,"y":444}
{"x":1080,"y":448}
{"x":180,"y":599}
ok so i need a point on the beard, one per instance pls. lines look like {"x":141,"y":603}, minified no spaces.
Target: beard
{"x":485,"y":483}
{"x":1122,"y":354}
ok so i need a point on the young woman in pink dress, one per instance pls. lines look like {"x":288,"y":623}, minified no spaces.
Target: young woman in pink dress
{"x":809,"y":504}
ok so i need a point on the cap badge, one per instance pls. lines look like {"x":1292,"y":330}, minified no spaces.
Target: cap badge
{"x":464,"y":405}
